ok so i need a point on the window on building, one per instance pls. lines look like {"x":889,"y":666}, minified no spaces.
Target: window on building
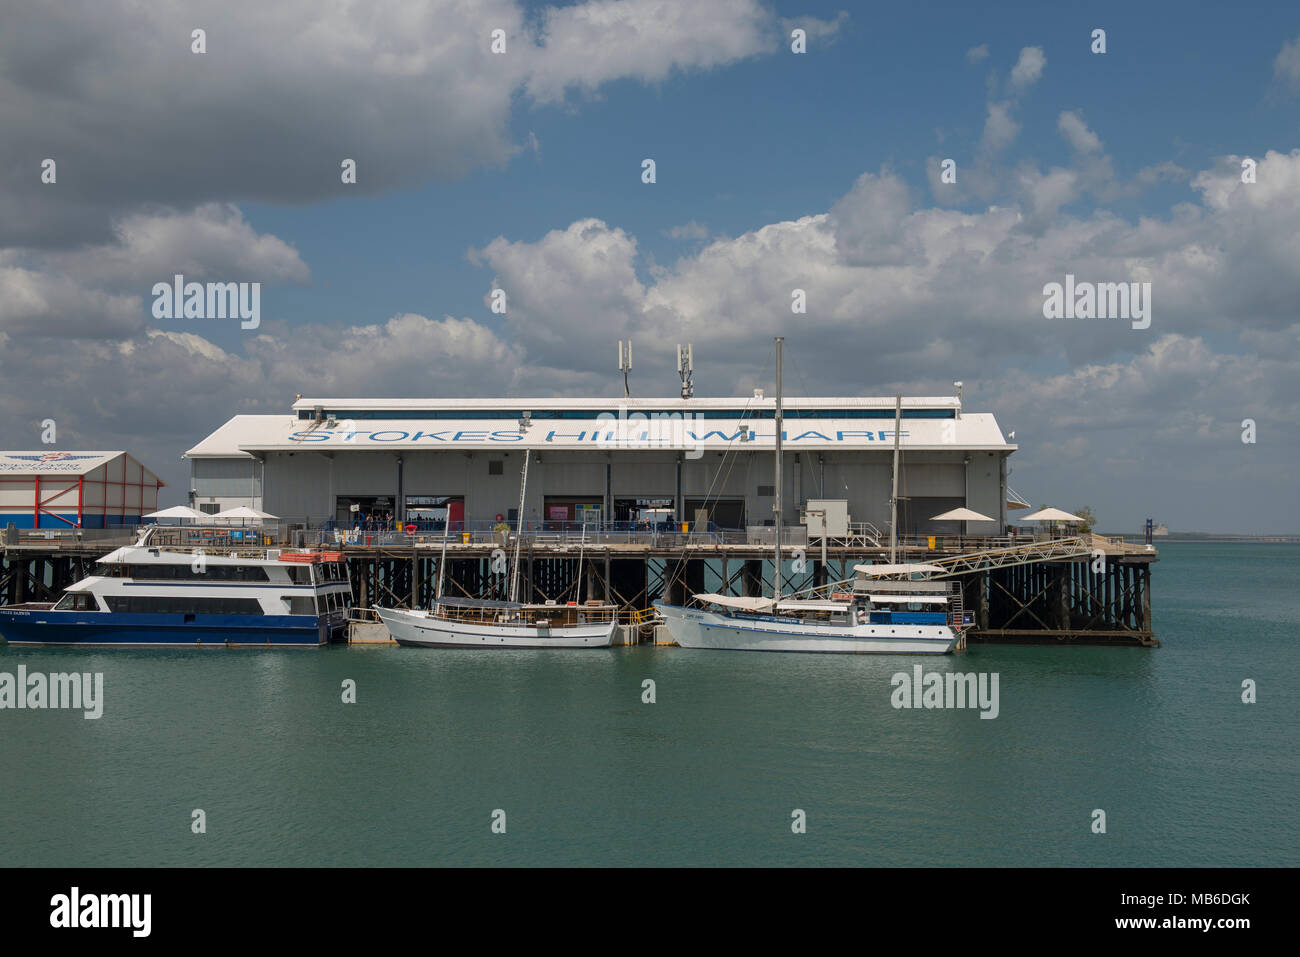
{"x":496,"y":467}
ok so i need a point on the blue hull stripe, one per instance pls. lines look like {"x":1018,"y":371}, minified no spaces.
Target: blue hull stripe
{"x":144,"y":630}
{"x":815,"y":635}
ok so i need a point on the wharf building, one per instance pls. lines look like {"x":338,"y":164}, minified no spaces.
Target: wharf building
{"x":623,"y":501}
{"x":703,"y":461}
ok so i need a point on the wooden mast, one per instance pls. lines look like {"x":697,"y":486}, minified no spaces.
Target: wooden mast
{"x":776,"y":489}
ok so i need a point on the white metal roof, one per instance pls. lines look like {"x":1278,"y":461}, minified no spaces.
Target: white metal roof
{"x":46,"y":462}
{"x":245,"y":434}
{"x":665,"y":402}
{"x":242,"y":430}
{"x":213,"y":555}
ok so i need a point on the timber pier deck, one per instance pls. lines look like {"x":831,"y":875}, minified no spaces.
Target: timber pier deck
{"x":1079,"y":590}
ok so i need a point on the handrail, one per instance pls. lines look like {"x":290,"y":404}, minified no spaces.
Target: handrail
{"x":1016,"y":555}
{"x":551,"y":535}
{"x":488,"y":617}
{"x":637,"y":616}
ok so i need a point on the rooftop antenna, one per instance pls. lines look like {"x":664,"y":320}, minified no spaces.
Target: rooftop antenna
{"x":625,"y":365}
{"x":686,"y":369}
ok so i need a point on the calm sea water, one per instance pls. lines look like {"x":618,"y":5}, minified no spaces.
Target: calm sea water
{"x":587,"y":774}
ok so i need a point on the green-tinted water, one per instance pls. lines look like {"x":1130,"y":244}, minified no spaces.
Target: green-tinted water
{"x":587,"y":774}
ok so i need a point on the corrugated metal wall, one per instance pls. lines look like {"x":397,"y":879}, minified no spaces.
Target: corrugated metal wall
{"x":303,"y":486}
{"x":226,"y":478}
{"x":105,"y":500}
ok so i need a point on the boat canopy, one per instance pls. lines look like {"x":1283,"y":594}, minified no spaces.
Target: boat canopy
{"x":875,"y":571}
{"x":742,"y":602}
{"x":812,"y":605}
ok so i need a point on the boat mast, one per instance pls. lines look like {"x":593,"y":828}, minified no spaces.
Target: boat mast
{"x":776,"y":488}
{"x":893,"y":496}
{"x":442,"y":561}
{"x":519,"y":530}
{"x":582,"y":545}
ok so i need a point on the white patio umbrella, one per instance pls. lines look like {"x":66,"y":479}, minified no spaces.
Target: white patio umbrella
{"x":244,"y":514}
{"x":1050,"y":515}
{"x":177,"y":511}
{"x":1054,"y":515}
{"x":962,"y":515}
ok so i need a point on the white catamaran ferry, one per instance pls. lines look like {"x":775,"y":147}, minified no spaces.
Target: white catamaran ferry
{"x":149,"y":597}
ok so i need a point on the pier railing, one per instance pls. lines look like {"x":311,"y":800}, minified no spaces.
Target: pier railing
{"x":90,"y":536}
{"x":546,"y":534}
{"x":563,"y":535}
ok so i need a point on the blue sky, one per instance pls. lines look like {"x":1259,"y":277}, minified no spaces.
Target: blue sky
{"x":813,"y":170}
{"x":783,"y":136}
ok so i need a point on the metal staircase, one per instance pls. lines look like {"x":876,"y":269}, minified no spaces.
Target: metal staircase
{"x":956,"y":608}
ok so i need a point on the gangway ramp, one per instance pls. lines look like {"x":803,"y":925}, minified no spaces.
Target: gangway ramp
{"x":1055,"y":550}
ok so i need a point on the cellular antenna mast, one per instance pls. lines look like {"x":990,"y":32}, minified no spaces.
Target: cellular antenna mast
{"x":686,"y":369}
{"x":625,"y":365}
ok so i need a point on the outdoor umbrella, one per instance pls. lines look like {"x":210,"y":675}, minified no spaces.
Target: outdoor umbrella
{"x":962,"y":515}
{"x":244,"y":515}
{"x":244,"y":512}
{"x":177,"y":511}
{"x":1051,"y":515}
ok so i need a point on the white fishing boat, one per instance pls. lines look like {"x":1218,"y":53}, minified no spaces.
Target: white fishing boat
{"x":478,"y":623}
{"x":894,"y":615}
{"x":494,"y":623}
{"x":891,"y":609}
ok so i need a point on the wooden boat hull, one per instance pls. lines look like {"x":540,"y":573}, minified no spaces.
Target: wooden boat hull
{"x":421,"y":629}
